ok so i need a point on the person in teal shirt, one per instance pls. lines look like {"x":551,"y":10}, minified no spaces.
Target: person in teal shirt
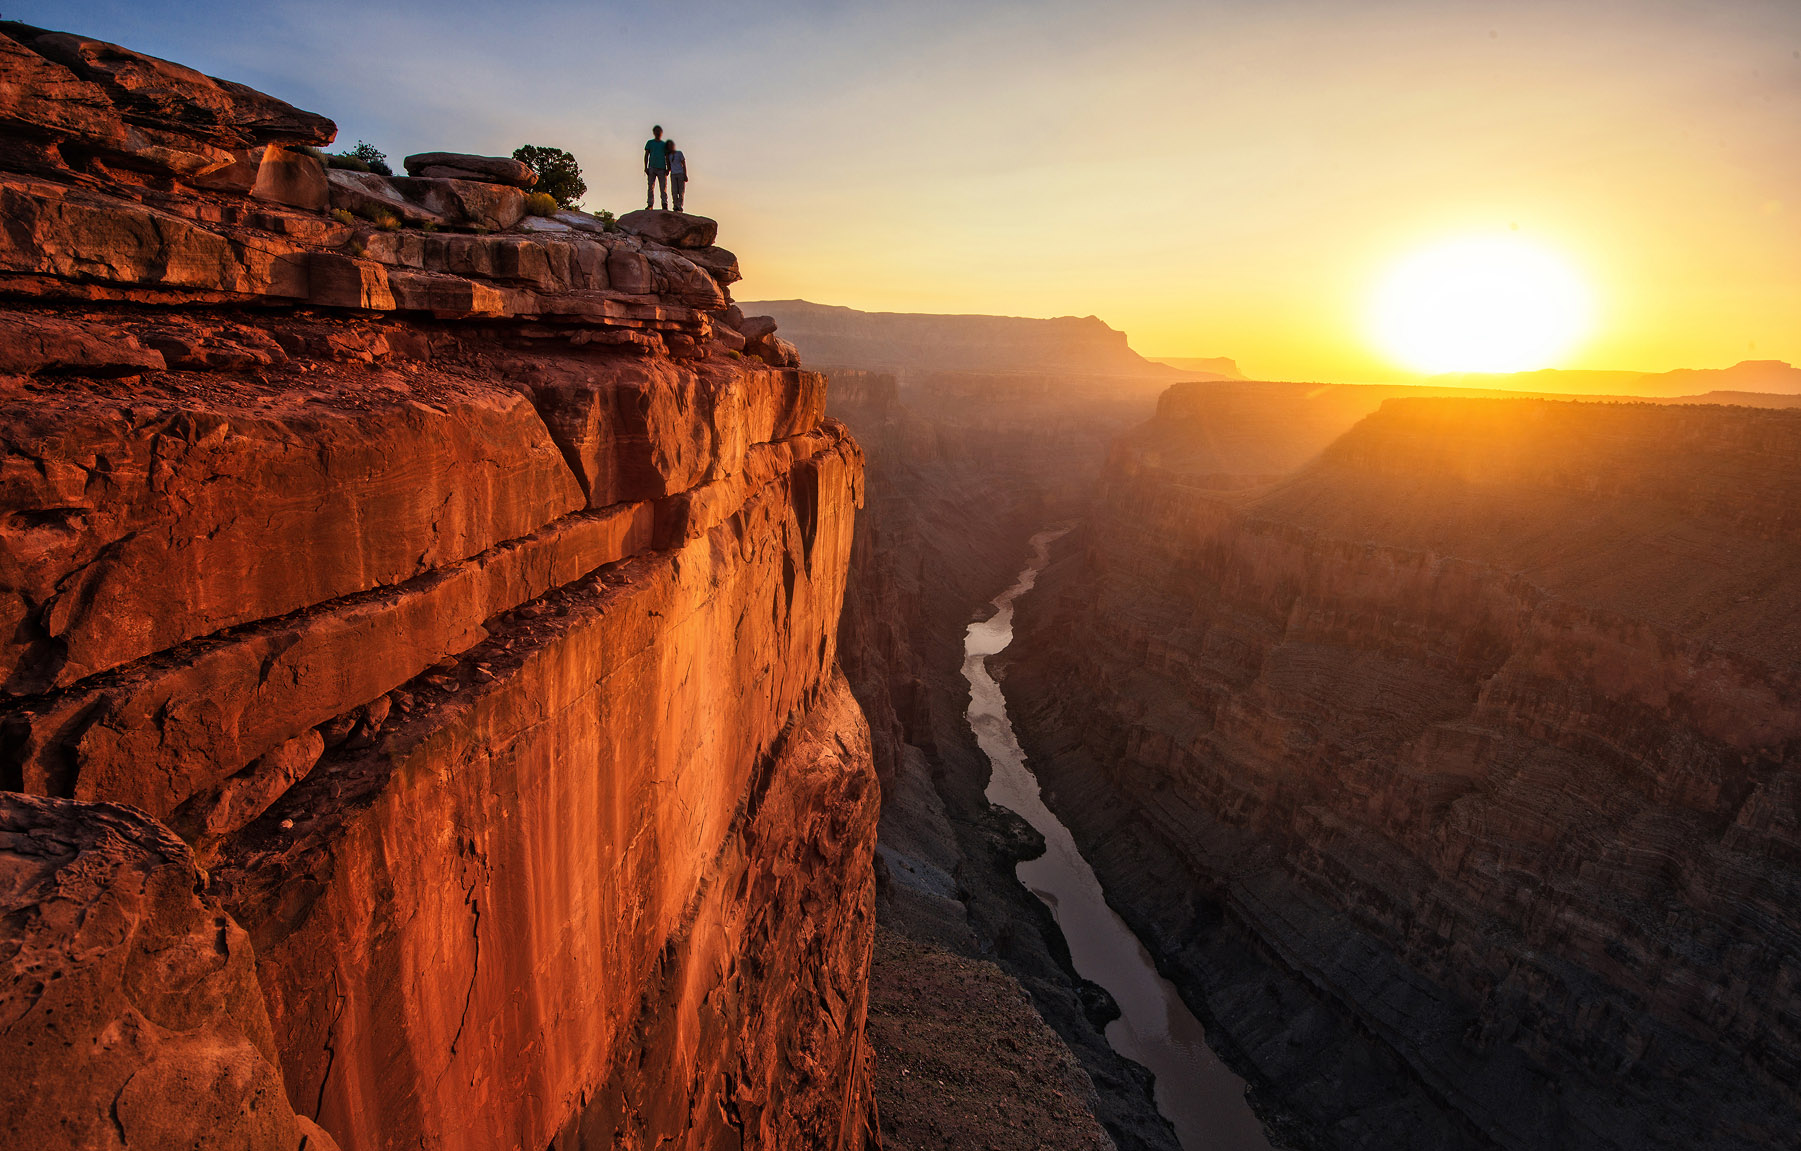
{"x":656,"y":168}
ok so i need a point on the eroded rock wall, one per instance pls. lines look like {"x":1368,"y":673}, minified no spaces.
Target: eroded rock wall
{"x":464,"y":599}
{"x":1454,"y":775}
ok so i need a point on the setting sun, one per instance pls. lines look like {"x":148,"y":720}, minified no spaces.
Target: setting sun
{"x":1481,"y":304}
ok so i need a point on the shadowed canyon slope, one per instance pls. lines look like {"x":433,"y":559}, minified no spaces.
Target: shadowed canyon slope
{"x":421,"y":708}
{"x":964,"y":466}
{"x":1450,"y":765}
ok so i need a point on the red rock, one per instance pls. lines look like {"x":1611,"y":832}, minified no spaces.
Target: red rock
{"x":675,"y":229}
{"x":339,"y":281}
{"x":78,"y":235}
{"x":203,"y":519}
{"x":460,"y":166}
{"x":719,"y":263}
{"x":41,"y":98}
{"x":684,"y":281}
{"x":368,"y":194}
{"x":628,"y":271}
{"x":436,"y":1007}
{"x":160,"y":94}
{"x":292,"y":178}
{"x":32,"y":345}
{"x":465,"y":201}
{"x":549,"y":807}
{"x":129,"y":1001}
{"x":166,"y":733}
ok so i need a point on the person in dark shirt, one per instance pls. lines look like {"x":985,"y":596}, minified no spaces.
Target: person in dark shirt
{"x":678,"y":174}
{"x":656,"y":168}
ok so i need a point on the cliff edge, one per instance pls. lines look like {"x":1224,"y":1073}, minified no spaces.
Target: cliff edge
{"x":422,"y":724}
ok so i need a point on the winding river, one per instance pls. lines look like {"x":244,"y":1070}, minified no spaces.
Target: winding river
{"x":1202,"y":1099}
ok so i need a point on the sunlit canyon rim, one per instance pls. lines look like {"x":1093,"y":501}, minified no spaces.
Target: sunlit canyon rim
{"x":467,"y":686}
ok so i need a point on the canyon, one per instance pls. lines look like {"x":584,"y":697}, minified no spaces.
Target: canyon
{"x":1445,"y":754}
{"x":421,"y":708}
{"x":466,"y":685}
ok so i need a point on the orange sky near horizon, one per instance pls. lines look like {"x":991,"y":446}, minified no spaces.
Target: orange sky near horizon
{"x":1224,"y":177}
{"x":1288,"y":166}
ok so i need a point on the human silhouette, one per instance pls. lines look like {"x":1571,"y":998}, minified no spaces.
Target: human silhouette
{"x":656,"y":168}
{"x":678,"y":174}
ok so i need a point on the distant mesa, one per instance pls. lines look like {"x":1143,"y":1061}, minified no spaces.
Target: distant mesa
{"x":1760,"y":376}
{"x":1222,"y":367}
{"x":888,"y":341}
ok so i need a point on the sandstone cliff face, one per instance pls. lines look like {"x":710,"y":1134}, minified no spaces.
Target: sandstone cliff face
{"x":466,"y":600}
{"x":1455,"y":775}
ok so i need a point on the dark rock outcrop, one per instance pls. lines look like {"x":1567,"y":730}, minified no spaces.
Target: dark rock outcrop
{"x":1453,"y":773}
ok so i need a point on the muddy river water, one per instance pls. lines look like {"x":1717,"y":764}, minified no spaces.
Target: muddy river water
{"x":1202,"y":1099}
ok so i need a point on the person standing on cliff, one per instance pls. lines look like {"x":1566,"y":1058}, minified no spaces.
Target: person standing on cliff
{"x":678,"y":174}
{"x":656,"y":168}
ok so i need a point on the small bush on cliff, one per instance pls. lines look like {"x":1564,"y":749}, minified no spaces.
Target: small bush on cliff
{"x":365,"y":157}
{"x":607,"y":220}
{"x":559,"y":176}
{"x":342,"y":216}
{"x":541,"y":204}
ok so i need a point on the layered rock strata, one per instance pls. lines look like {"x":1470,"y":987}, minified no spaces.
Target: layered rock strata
{"x":467,"y":604}
{"x":1453,"y":776}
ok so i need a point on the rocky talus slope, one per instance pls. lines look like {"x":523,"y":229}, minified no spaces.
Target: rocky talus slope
{"x":421,"y":717}
{"x":1454,"y":775}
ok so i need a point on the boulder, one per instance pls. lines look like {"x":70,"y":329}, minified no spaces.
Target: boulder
{"x":676,"y":229}
{"x":684,"y":281}
{"x":239,"y":176}
{"x":367,"y":194}
{"x":756,"y":327}
{"x":470,"y":202}
{"x":580,"y":221}
{"x":292,"y":178}
{"x":772,"y":350}
{"x":543,"y":224}
{"x":129,"y":1001}
{"x":719,"y":263}
{"x":458,"y":166}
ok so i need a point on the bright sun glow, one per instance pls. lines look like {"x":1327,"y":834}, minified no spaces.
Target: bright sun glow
{"x":1482,"y":304}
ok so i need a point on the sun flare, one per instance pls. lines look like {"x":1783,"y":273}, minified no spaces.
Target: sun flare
{"x":1481,"y":304}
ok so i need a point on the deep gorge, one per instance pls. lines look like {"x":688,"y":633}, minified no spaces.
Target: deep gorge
{"x":469,"y":683}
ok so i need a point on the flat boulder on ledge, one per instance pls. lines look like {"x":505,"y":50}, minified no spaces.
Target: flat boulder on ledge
{"x":676,"y":229}
{"x":460,"y":166}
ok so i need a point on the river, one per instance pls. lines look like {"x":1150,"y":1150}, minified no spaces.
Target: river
{"x":1201,"y":1097}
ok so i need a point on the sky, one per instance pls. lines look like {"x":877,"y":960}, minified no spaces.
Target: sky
{"x":1214,"y":178}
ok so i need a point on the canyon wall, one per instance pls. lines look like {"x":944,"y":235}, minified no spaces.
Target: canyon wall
{"x":963,"y":468}
{"x":421,"y":708}
{"x":1063,"y":348}
{"x":1452,"y":774}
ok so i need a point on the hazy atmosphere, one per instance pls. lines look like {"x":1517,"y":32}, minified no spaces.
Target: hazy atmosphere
{"x":1214,"y":179}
